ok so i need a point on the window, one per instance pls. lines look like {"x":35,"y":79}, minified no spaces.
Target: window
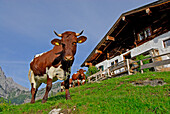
{"x":101,"y":68}
{"x":144,"y":34}
{"x":141,"y":36}
{"x":127,"y":56}
{"x":116,"y":61}
{"x":147,"y":32}
{"x":166,"y":43}
{"x":112,"y":63}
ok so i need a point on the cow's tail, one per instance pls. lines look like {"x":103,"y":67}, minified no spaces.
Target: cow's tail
{"x":29,"y":77}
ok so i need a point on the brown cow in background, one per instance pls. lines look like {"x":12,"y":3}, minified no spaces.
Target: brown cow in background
{"x":79,"y":77}
{"x":54,"y":64}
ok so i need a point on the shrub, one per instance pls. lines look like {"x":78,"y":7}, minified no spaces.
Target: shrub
{"x":141,"y":57}
{"x":91,"y":70}
{"x":4,"y":104}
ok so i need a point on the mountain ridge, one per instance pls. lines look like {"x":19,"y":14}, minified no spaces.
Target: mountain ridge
{"x":8,"y":86}
{"x":18,"y":94}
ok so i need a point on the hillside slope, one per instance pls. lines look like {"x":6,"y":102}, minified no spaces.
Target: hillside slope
{"x":126,"y":94}
{"x":18,"y":94}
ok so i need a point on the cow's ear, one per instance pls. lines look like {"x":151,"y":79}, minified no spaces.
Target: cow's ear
{"x":84,"y":70}
{"x":81,"y":39}
{"x":56,"y":42}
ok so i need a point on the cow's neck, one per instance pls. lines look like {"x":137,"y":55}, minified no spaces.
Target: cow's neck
{"x":57,"y":60}
{"x":66,"y":65}
{"x":79,"y":76}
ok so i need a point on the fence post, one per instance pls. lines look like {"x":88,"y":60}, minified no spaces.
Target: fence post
{"x":141,"y":63}
{"x":96,"y":78}
{"x":89,"y":80}
{"x":152,"y":53}
{"x":128,"y":67}
{"x":108,"y":72}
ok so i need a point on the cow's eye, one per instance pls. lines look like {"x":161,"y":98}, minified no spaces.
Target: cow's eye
{"x":74,"y":43}
{"x":63,"y":45}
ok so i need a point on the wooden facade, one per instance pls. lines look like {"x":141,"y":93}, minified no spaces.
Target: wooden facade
{"x":132,"y":29}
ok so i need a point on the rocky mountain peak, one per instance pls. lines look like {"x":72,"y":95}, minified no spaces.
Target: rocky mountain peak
{"x":8,"y":88}
{"x":2,"y":75}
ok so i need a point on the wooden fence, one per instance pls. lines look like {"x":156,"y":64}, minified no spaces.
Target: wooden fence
{"x":97,"y":76}
{"x":129,"y":67}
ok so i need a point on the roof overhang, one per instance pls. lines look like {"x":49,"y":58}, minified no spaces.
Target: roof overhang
{"x":121,"y":23}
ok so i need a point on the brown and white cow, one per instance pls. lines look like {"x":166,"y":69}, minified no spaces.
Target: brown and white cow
{"x":79,"y":77}
{"x":54,"y":64}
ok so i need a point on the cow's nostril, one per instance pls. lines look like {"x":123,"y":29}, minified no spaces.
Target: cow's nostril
{"x":68,"y":58}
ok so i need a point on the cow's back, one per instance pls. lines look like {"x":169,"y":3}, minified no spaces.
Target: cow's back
{"x":74,"y":76}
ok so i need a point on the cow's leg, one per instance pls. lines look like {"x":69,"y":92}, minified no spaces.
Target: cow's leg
{"x":34,"y":89}
{"x":78,"y":82}
{"x":74,"y":83}
{"x":66,"y":84}
{"x":33,"y":92}
{"x":62,"y":88}
{"x":50,"y":74}
{"x":83,"y":81}
{"x":48,"y":88}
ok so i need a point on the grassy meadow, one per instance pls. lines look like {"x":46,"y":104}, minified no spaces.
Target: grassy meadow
{"x":113,"y":96}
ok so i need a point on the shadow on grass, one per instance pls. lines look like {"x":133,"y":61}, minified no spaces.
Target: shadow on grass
{"x":57,"y":97}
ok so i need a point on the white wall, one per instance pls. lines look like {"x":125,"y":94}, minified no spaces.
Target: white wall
{"x":105,"y":64}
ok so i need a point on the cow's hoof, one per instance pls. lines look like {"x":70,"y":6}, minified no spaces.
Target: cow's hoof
{"x":68,"y":98}
{"x":32,"y":102}
{"x":44,"y":101}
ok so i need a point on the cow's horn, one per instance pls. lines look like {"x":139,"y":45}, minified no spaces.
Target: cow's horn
{"x":59,"y":35}
{"x":78,"y":34}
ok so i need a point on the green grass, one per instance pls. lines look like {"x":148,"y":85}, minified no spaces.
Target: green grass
{"x":116,"y":95}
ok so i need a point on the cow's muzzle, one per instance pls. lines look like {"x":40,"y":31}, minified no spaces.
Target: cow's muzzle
{"x":68,"y":58}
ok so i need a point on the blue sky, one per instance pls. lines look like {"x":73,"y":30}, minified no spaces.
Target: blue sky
{"x":26,"y":28}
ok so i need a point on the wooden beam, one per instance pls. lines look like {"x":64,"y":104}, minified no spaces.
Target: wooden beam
{"x":158,"y":63}
{"x":88,"y":64}
{"x":121,"y":29}
{"x":108,"y":56}
{"x":128,"y":67}
{"x":98,"y":51}
{"x":148,"y":11}
{"x":107,"y":46}
{"x":141,"y":64}
{"x":123,"y":18}
{"x":114,"y":67}
{"x":103,"y":44}
{"x":110,"y":38}
{"x":135,"y":44}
